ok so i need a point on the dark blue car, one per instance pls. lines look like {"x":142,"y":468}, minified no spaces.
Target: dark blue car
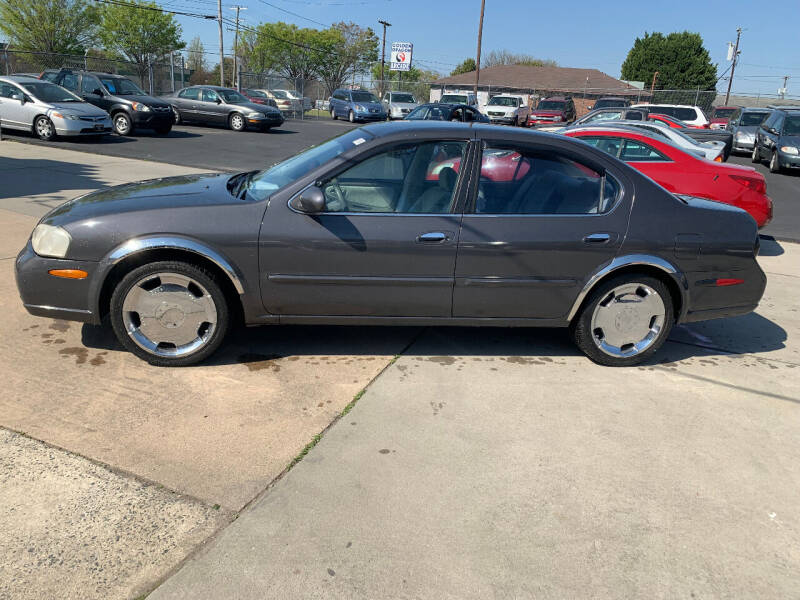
{"x":356,"y":105}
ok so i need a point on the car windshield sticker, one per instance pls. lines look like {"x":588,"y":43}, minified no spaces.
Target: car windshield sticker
{"x":358,"y":141}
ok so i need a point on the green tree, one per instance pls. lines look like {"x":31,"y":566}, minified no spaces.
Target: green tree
{"x":348,"y":50}
{"x":504,"y":57}
{"x":681,"y":60}
{"x":196,"y":55}
{"x":283,"y":48}
{"x":140,"y":34}
{"x":60,"y":26}
{"x":212,"y":77}
{"x":468,"y":66}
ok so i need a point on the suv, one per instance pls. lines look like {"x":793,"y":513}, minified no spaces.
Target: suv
{"x":129,"y":106}
{"x":467,"y":98}
{"x":778,"y":138}
{"x":356,"y":105}
{"x":508,"y":109}
{"x":399,"y":104}
{"x":721,"y":116}
{"x":693,"y":116}
{"x":610,"y":102}
{"x":556,"y":109}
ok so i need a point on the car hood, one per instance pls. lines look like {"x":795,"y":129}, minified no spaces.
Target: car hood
{"x":750,"y":129}
{"x":80,"y":108}
{"x":505,"y":109}
{"x":145,"y":99}
{"x":168,"y":192}
{"x":264,"y":108}
{"x":547,"y":113}
{"x":790,"y":140}
{"x":404,"y":104}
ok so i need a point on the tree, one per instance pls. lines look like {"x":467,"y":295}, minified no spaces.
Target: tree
{"x":212,"y":77}
{"x":59,"y":26}
{"x":140,"y":33}
{"x":504,"y":57}
{"x":468,"y":66}
{"x":196,"y":56}
{"x":350,"y":50}
{"x":283,"y":48}
{"x":681,"y":60}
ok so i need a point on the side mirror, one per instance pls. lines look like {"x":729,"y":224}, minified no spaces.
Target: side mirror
{"x":309,"y":201}
{"x":97,"y":92}
{"x":218,"y":100}
{"x":19,"y":97}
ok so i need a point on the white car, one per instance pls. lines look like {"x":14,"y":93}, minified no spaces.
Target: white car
{"x":465,"y":98}
{"x":304,"y":101}
{"x":398,"y":104}
{"x":508,"y":109}
{"x":691,"y":115}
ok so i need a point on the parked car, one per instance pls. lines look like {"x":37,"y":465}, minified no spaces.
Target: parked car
{"x":507,"y":109}
{"x":744,"y":127}
{"x":129,"y":106}
{"x":611,"y":114}
{"x":259,"y":97}
{"x":398,"y":104}
{"x":693,"y":116}
{"x":356,"y":105}
{"x":215,"y":105}
{"x":721,"y":116}
{"x":289,"y":107}
{"x":778,"y":139}
{"x":437,"y":111}
{"x":467,"y":98}
{"x":611,"y":102}
{"x":48,"y":110}
{"x":701,"y":135}
{"x":683,"y":173}
{"x":303,"y":101}
{"x":352,"y":232}
{"x":714,"y":150}
{"x":556,"y":109}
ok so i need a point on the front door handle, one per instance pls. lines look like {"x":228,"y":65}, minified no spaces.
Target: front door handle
{"x":432,"y":237}
{"x":597,"y":238}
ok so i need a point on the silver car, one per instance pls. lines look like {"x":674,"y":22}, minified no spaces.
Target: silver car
{"x":399,"y":104}
{"x":48,"y":110}
{"x":745,"y":126}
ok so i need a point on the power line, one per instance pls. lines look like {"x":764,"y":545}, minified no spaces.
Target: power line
{"x":156,"y":9}
{"x":294,"y":14}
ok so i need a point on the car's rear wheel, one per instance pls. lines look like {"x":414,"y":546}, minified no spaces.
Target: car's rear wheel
{"x":774,"y":162}
{"x":44,"y":129}
{"x":625,"y":320}
{"x":236,"y":122}
{"x":122,"y":124}
{"x":169,"y":313}
{"x":755,"y":156}
{"x":164,"y":130}
{"x":333,"y":115}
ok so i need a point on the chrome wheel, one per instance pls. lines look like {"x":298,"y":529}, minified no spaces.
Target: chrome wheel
{"x":44,"y":128}
{"x":122,"y":124}
{"x":627,"y":320}
{"x":237,"y":122}
{"x":169,"y":314}
{"x":774,"y":165}
{"x":755,"y":156}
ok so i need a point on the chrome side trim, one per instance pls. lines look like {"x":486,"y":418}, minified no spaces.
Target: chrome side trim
{"x":617,"y":263}
{"x":79,"y":311}
{"x":141,"y":244}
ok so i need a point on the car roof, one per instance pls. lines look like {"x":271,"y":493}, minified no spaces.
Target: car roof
{"x":648,"y":104}
{"x":20,"y":78}
{"x":756,"y":109}
{"x":561,"y":98}
{"x":784,"y":107}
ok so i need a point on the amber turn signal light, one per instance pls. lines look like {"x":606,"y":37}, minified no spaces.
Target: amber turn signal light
{"x":69,"y":273}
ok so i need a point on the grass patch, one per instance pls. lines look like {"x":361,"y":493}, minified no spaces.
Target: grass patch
{"x":316,"y":112}
{"x":314,"y":441}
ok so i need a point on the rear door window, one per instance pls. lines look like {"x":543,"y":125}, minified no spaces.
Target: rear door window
{"x":190,"y":94}
{"x":636,"y":151}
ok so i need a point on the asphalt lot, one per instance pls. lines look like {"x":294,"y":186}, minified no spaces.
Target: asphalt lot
{"x":217,"y":148}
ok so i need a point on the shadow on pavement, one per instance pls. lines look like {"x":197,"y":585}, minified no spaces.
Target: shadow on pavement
{"x":35,"y":177}
{"x":770,"y":246}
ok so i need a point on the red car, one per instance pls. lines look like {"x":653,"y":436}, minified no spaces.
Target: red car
{"x":722,"y":116}
{"x":556,"y":109}
{"x":683,"y":173}
{"x":259,"y":97}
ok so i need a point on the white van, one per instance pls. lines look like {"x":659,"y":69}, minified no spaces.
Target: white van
{"x":691,"y":115}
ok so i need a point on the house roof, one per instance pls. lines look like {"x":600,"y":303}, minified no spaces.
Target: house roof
{"x":550,"y":79}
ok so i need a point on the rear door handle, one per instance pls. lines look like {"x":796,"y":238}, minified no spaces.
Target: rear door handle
{"x":597,"y":238}
{"x":432,"y":237}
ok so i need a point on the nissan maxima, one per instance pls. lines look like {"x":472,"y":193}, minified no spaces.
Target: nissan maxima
{"x":413,"y":223}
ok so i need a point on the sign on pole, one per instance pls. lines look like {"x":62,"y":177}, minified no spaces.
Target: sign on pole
{"x":401,"y":56}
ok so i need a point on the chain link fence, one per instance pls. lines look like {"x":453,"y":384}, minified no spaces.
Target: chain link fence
{"x":307,"y":98}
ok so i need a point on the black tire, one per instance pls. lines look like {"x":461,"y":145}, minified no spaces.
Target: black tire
{"x":198,"y":274}
{"x":164,"y":130}
{"x":122,"y":124}
{"x":266,"y":128}
{"x":755,"y":157}
{"x":333,"y":115}
{"x":236,"y":122}
{"x":176,"y":118}
{"x":584,"y":337}
{"x":351,"y":116}
{"x":44,"y":129}
{"x":774,"y":162}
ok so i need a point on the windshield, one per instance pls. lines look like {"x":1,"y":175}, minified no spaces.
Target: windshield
{"x":403,"y":98}
{"x":232,"y":97}
{"x":435,"y":113}
{"x":792,"y":125}
{"x":291,"y":94}
{"x":609,"y":103}
{"x":723,"y":113}
{"x":50,"y":92}
{"x":500,"y":101}
{"x":364,"y":97}
{"x":121,"y":87}
{"x":455,"y":98}
{"x":255,"y":94}
{"x":280,"y":94}
{"x":551,"y":105}
{"x":750,"y":119}
{"x":264,"y":183}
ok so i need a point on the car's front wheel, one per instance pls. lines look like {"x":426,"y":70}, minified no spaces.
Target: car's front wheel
{"x":169,"y":313}
{"x":333,"y":115}
{"x":176,"y":116}
{"x":351,"y":116}
{"x":122,"y":124}
{"x":44,"y":129}
{"x":625,"y":320}
{"x":236,"y":122}
{"x":775,"y":162}
{"x":755,"y":156}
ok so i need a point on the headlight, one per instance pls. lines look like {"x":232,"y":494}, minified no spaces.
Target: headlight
{"x":48,"y":240}
{"x":359,"y":107}
{"x":558,"y":118}
{"x":139,"y":107}
{"x":59,"y":115}
{"x":789,"y":150}
{"x":255,"y":115}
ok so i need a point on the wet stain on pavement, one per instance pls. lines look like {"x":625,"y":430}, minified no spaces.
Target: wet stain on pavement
{"x":59,"y":325}
{"x":445,"y":361}
{"x":259,"y":362}
{"x":331,"y":572}
{"x":80,"y":354}
{"x":98,"y":360}
{"x":384,"y":451}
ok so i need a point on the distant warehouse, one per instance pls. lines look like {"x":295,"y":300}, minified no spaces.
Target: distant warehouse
{"x":533,"y":83}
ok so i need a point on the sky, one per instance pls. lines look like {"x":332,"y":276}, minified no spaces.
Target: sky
{"x":579,"y":33}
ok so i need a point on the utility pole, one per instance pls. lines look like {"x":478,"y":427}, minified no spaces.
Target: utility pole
{"x":653,"y":85}
{"x":478,"y":60}
{"x":783,"y":89}
{"x":733,"y":66}
{"x":221,"y":47}
{"x":383,"y":53}
{"x":236,"y":65}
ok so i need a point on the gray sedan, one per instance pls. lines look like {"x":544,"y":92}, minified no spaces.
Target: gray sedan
{"x":48,"y":110}
{"x":214,"y":105}
{"x":745,"y":126}
{"x":413,"y":223}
